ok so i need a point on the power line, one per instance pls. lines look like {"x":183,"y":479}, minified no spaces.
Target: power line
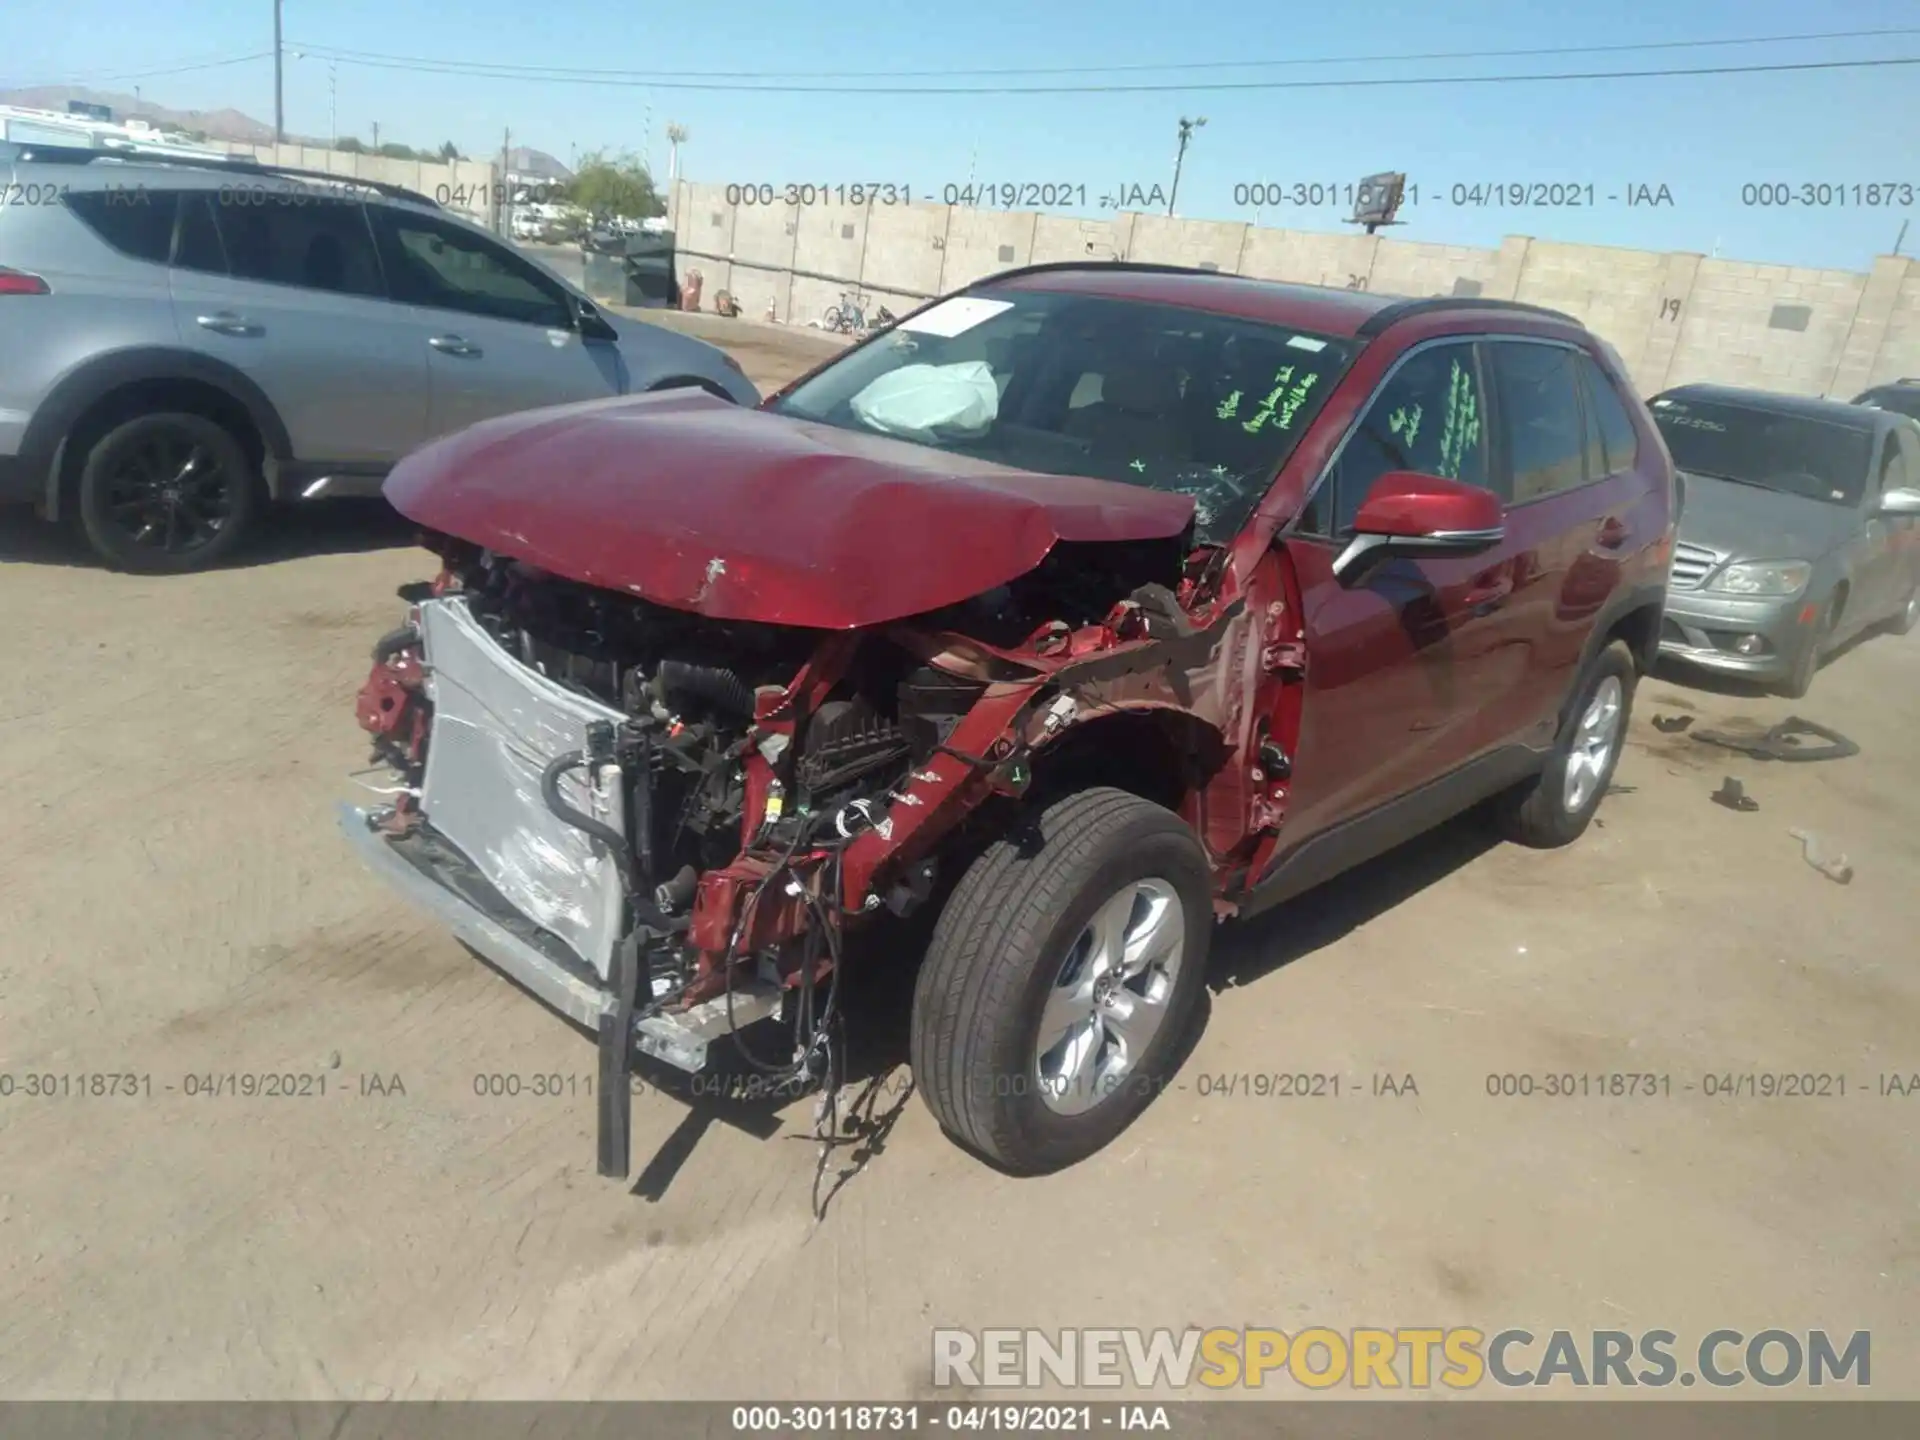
{"x":176,"y":69}
{"x":558,"y":71}
{"x":1189,"y":87}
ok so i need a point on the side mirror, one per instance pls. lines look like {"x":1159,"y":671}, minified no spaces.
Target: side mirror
{"x":1898,"y":504}
{"x":593,"y":325}
{"x":1407,"y":514}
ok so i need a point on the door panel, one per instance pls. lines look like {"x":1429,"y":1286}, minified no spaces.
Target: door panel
{"x":481,"y":368}
{"x":1396,"y":670}
{"x":303,"y":315}
{"x":1404,"y":667}
{"x":500,"y":336}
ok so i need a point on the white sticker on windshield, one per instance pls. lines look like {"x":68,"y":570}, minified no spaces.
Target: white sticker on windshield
{"x":1308,"y":343}
{"x":955,"y":316}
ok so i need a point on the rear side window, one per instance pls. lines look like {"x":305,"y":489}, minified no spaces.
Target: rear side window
{"x":1428,"y":417}
{"x":313,"y":242}
{"x":1619,"y":441}
{"x":134,"y":220}
{"x":199,"y":245}
{"x":1539,"y":395}
{"x":1893,"y":467}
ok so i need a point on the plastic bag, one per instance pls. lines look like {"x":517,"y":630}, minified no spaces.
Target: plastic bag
{"x":922,"y":402}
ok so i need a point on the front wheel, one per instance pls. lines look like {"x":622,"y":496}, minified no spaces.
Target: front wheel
{"x":1062,"y":979}
{"x":1806,"y":664}
{"x":1907,"y":618}
{"x":835,"y":319}
{"x":167,"y":493}
{"x":1555,"y":807}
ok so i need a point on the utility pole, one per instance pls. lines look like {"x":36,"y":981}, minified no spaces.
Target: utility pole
{"x":333,"y":103}
{"x":676,"y":134}
{"x":1187,"y":127}
{"x":1901,"y":238}
{"x":676,"y":137}
{"x":504,"y":223}
{"x":279,"y":93}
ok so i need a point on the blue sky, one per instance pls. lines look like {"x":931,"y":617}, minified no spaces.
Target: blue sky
{"x":1703,"y":138}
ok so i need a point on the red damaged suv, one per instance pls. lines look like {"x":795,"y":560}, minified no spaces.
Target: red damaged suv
{"x":1091,"y":604}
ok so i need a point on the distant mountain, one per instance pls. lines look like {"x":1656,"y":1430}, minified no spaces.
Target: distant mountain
{"x":214,"y":124}
{"x":536,"y":163}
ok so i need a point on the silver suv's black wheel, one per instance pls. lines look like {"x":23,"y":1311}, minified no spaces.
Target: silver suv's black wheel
{"x":1061,"y":980}
{"x":166,"y":493}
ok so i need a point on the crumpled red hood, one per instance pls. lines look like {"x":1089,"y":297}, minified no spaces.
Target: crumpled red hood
{"x":689,"y":501}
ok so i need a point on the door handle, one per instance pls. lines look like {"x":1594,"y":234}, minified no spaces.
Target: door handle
{"x":1613,"y":533}
{"x":1488,"y":595}
{"x":454,"y":345}
{"x":225,"y":322}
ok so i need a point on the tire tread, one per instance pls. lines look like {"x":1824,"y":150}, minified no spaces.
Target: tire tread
{"x":999,"y":915}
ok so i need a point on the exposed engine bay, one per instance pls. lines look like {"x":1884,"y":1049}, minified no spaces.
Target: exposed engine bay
{"x":735,"y":795}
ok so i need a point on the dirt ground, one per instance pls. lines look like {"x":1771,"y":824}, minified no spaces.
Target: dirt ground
{"x":177,"y":906}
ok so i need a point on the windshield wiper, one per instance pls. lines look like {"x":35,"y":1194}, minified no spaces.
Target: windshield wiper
{"x":1731,"y":479}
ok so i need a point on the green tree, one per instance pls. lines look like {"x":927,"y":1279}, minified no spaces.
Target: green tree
{"x":615,"y":185}
{"x":394,"y":151}
{"x":349,"y":145}
{"x":449,"y":152}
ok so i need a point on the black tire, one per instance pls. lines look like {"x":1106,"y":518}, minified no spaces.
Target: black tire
{"x":1544,"y":811}
{"x":1005,"y":939}
{"x":1907,"y":618}
{"x":141,"y":510}
{"x":1806,"y":664}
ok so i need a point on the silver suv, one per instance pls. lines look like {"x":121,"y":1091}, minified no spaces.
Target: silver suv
{"x":187,"y":341}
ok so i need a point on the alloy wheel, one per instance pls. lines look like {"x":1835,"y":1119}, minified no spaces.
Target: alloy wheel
{"x":169,"y":492}
{"x":1593,"y":743}
{"x":1110,"y":997}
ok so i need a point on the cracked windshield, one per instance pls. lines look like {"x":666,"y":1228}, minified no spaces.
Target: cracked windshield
{"x":1177,"y":400}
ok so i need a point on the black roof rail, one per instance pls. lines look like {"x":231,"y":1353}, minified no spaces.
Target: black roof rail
{"x":1406,"y":309}
{"x":1147,"y":267}
{"x":239,"y":165}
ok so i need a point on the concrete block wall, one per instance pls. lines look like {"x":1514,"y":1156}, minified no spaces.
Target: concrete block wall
{"x":1343,"y":261}
{"x":1412,"y":267}
{"x":1728,"y":331}
{"x":1201,"y":244}
{"x":1673,"y":317}
{"x":1884,"y":343}
{"x":463,"y":186}
{"x":1059,"y":238}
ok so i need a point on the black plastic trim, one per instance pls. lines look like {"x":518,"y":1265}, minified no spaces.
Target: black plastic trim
{"x":31,"y":153}
{"x":1393,"y":314}
{"x":1360,"y":838}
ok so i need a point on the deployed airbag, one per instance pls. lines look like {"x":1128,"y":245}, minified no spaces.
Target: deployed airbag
{"x":925,"y":402}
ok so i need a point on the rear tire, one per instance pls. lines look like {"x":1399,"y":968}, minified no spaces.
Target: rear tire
{"x":1555,"y":807}
{"x":1032,"y":935}
{"x":167,"y":493}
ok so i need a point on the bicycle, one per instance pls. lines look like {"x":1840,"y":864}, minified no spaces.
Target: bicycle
{"x":846,"y":318}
